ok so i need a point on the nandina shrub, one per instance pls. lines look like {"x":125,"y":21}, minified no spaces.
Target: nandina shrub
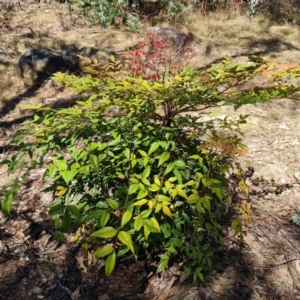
{"x":144,"y":178}
{"x":158,"y":56}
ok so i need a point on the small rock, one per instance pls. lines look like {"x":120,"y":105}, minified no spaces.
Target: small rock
{"x":44,"y":280}
{"x":179,"y":39}
{"x":37,"y":64}
{"x":36,"y":290}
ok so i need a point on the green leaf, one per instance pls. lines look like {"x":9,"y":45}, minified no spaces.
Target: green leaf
{"x":170,"y":167}
{"x":122,"y":250}
{"x":153,"y":147}
{"x":113,"y":203}
{"x":115,"y":142}
{"x":104,"y":218}
{"x":74,"y":211}
{"x":102,"y":204}
{"x":102,"y":156}
{"x":166,"y":229}
{"x":133,"y":188}
{"x":172,"y":179}
{"x":193,"y":198}
{"x":166,"y":210}
{"x":146,"y":232}
{"x":142,"y":194}
{"x":153,"y":187}
{"x":164,"y":157}
{"x":85,"y":170}
{"x":134,"y":180}
{"x":157,"y":181}
{"x":94,"y":163}
{"x":146,"y":172}
{"x":163,"y":198}
{"x":187,"y":271}
{"x":171,"y":249}
{"x":92,"y":146}
{"x":126,"y":152}
{"x":138,"y":222}
{"x":209,"y":261}
{"x":186,"y":217}
{"x":67,"y":221}
{"x":145,"y":214}
{"x":205,"y":247}
{"x":60,"y":236}
{"x":179,"y":164}
{"x":146,"y":181}
{"x":61,"y":164}
{"x":105,"y":233}
{"x":200,"y":276}
{"x":181,"y":193}
{"x":110,"y":153}
{"x":218,"y":192}
{"x":94,"y":214}
{"x":148,"y":223}
{"x":145,"y":161}
{"x":167,"y":185}
{"x":5,"y":162}
{"x":121,"y":175}
{"x":141,"y":187}
{"x":206,"y":182}
{"x":177,"y":242}
{"x":140,"y":202}
{"x":206,"y":202}
{"x":199,"y":207}
{"x":60,"y":191}
{"x":133,"y":163}
{"x":104,"y":251}
{"x":157,"y":207}
{"x":110,"y":264}
{"x":126,"y":218}
{"x":83,"y":154}
{"x":57,"y":209}
{"x":155,"y":224}
{"x":178,"y":175}
{"x":143,"y":153}
{"x":125,"y":238}
{"x":163,"y":264}
{"x":163,"y":256}
{"x":52,"y":172}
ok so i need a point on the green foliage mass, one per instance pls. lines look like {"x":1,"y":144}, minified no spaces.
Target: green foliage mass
{"x":110,"y":12}
{"x":139,"y":164}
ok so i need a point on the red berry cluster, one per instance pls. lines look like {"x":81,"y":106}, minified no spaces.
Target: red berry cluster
{"x":155,"y":58}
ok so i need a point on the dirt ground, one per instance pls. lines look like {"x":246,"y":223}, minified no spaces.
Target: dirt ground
{"x":37,"y":266}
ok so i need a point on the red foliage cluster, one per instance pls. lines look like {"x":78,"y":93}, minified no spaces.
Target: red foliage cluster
{"x":157,"y":57}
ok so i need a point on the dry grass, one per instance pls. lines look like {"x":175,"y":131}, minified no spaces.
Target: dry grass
{"x":241,"y":34}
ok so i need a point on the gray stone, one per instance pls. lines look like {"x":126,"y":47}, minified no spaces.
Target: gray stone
{"x":179,"y":39}
{"x":37,"y":64}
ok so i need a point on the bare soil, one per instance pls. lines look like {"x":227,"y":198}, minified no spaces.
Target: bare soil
{"x":266,"y":266}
